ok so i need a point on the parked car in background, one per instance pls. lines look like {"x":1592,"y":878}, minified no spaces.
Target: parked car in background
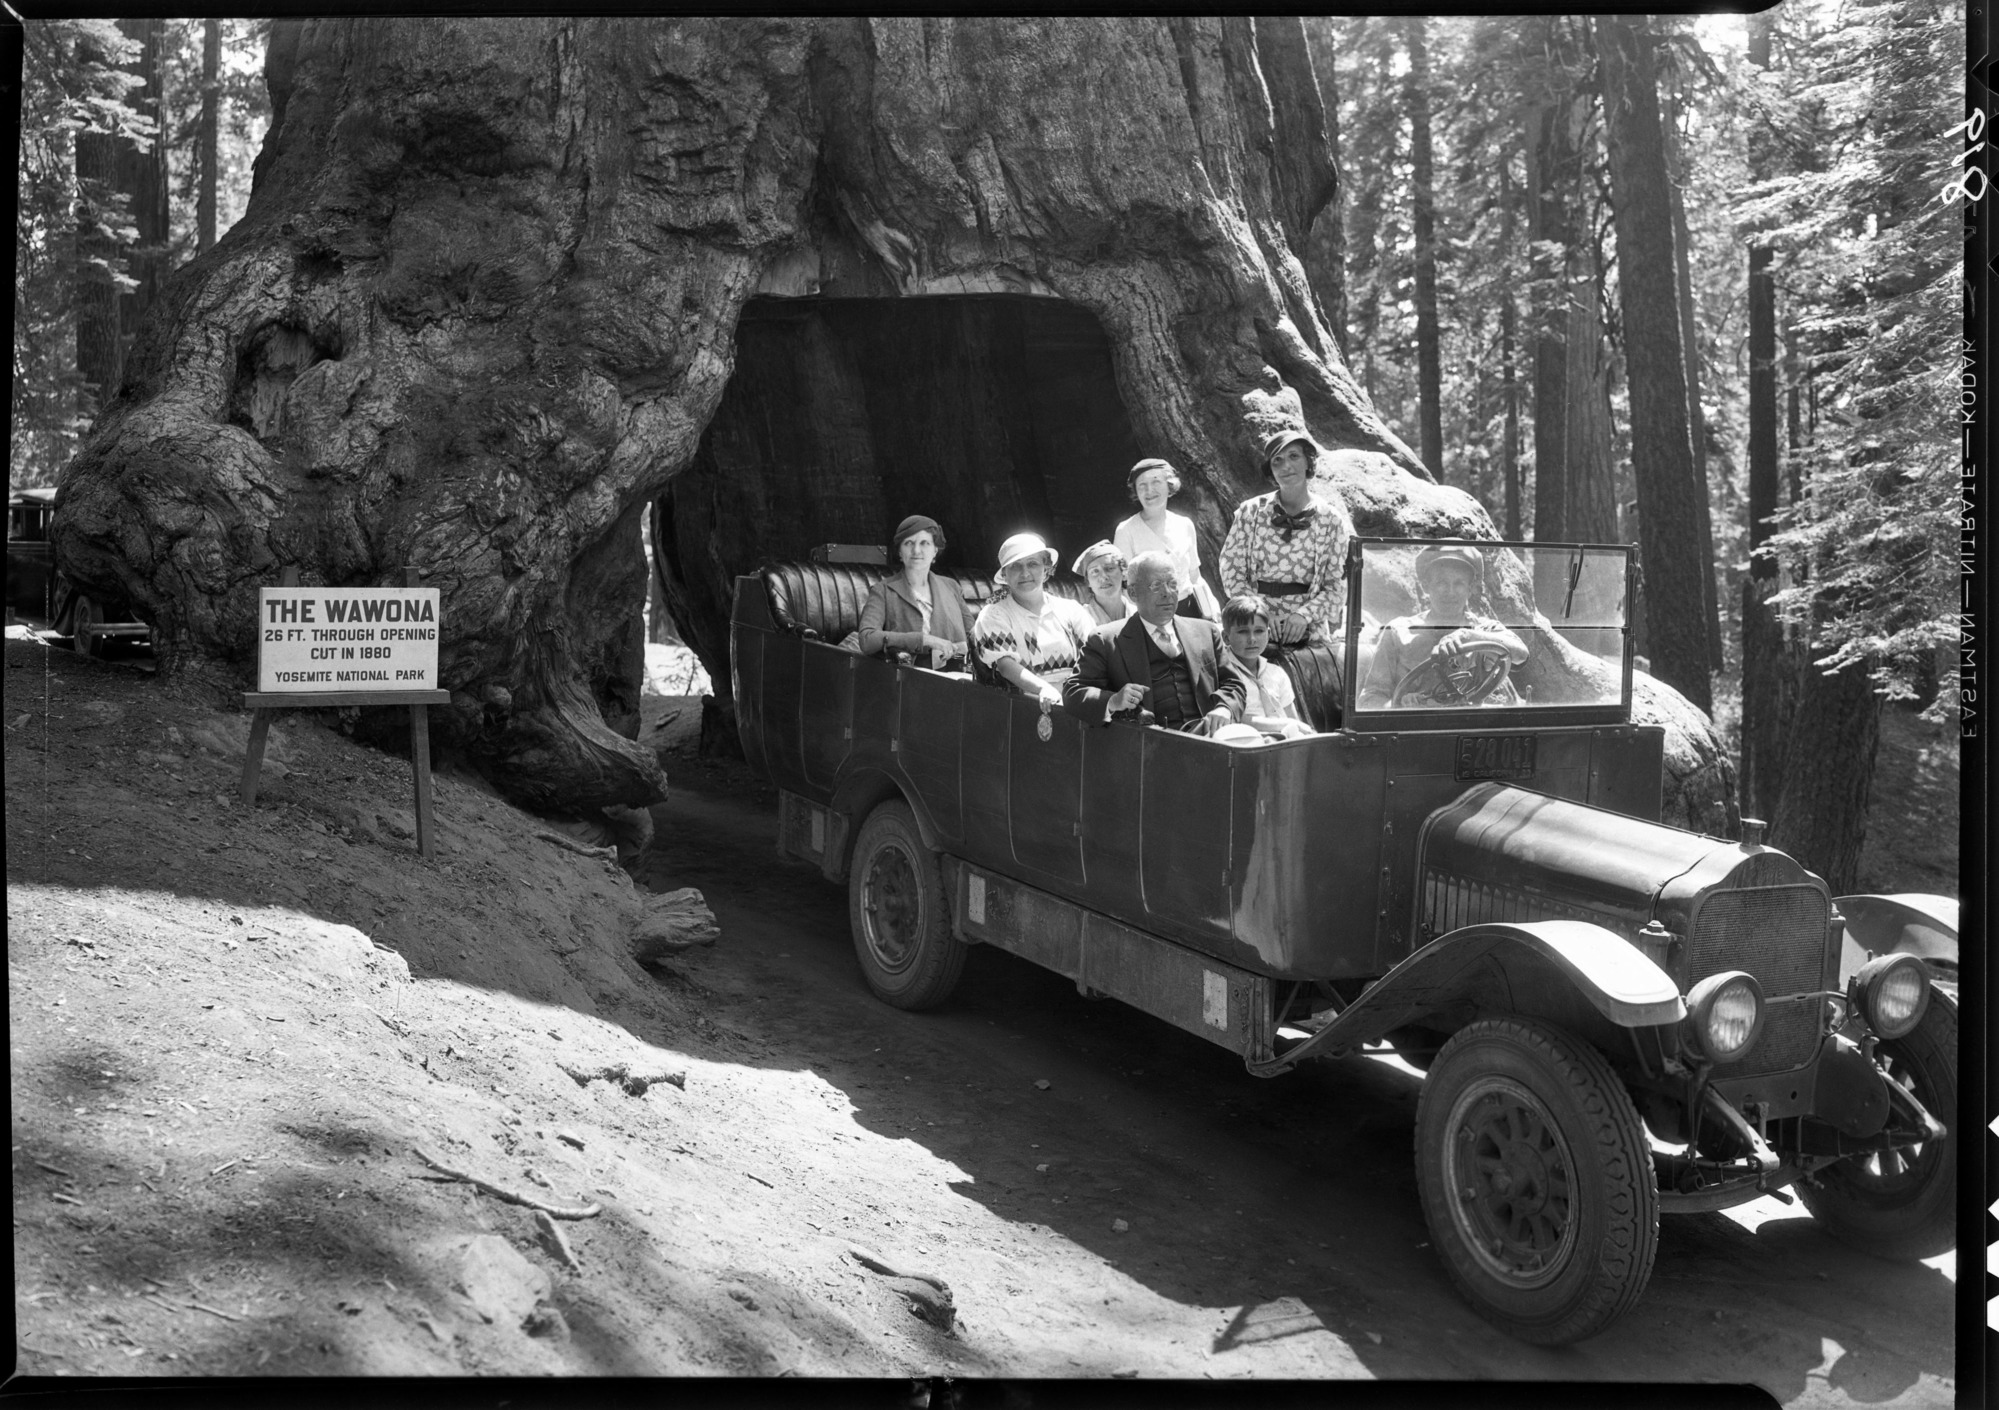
{"x":1618,"y":1019}
{"x":36,"y":585}
{"x":30,"y":565}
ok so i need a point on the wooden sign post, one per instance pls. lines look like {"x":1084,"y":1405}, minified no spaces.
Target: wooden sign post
{"x":320,"y":648}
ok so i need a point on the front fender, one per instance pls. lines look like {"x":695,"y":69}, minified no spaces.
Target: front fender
{"x":1618,"y":980}
{"x":1912,"y":923}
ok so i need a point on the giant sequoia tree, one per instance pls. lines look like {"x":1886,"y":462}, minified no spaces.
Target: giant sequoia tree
{"x":487,"y":297}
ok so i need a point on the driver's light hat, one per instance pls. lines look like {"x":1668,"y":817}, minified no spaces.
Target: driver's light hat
{"x":1428,"y":560}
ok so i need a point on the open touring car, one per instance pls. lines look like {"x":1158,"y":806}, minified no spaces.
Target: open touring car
{"x":1618,"y":1018}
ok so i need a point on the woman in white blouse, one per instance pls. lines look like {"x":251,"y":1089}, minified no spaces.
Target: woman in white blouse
{"x":1028,"y":637}
{"x":1157,"y":529}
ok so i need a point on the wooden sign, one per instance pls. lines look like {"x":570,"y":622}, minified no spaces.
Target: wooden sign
{"x":314,"y":641}
{"x":323,"y":647}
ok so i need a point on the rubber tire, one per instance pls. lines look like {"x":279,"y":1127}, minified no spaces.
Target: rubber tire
{"x":1614,"y":1199}
{"x":85,"y":618}
{"x":1919,"y":1221}
{"x":919,"y":969}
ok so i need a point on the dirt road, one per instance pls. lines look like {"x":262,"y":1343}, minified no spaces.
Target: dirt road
{"x":1269,"y":1228}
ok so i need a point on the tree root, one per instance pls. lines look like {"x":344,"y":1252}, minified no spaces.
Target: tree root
{"x":555,"y":1211}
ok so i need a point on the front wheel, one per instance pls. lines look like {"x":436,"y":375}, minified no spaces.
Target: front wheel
{"x":900,"y":916}
{"x":1536,"y":1180}
{"x":1902,"y":1204}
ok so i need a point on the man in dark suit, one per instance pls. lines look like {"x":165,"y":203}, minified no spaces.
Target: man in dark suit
{"x":1175,"y":667}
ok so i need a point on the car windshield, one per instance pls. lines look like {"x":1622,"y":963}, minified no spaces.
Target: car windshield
{"x":1451,"y":624}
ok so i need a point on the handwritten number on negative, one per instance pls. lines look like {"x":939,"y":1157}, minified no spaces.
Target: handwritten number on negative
{"x":1959,"y":187}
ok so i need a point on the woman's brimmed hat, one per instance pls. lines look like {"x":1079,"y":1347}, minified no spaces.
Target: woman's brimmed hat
{"x":915,"y":524}
{"x":1428,"y":560}
{"x":1023,"y":546}
{"x":1277,"y":440}
{"x":1102,"y":548}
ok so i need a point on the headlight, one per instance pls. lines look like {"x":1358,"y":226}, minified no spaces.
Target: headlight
{"x":1892,"y":992}
{"x":1725,"y":1014}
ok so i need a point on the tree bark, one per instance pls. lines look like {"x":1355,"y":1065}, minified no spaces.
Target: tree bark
{"x":1821,"y":812}
{"x":109,"y":168}
{"x":1690,"y":347}
{"x":492,"y":286}
{"x":98,"y":344}
{"x":1669,"y":496}
{"x":1766,"y":665}
{"x":207,"y":139}
{"x":1509,"y":337}
{"x":1429,"y":357}
{"x":1326,"y":245}
{"x":1548,"y":228}
{"x":1588,"y":440}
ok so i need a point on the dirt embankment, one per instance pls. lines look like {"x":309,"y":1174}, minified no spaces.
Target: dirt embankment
{"x":233,"y":1032}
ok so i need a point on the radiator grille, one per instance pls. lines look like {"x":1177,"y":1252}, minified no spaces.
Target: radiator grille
{"x":1778,"y":934}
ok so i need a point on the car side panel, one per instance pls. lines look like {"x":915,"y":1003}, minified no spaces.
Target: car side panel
{"x":982,"y":773}
{"x":1183,"y":806}
{"x":826,"y":710}
{"x":1303,"y":866}
{"x":929,"y":710}
{"x":1113,"y":757}
{"x":1044,"y":793}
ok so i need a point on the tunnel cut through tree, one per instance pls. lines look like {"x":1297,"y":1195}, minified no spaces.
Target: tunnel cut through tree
{"x":990,"y":413}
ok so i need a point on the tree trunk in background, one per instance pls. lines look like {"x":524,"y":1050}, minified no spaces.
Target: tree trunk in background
{"x":1429,"y":358}
{"x":1326,"y":245}
{"x":98,"y":344}
{"x":1690,"y":348}
{"x":1589,"y":442}
{"x":1509,"y":336}
{"x":1767,"y":668}
{"x":1548,"y":228}
{"x":1669,"y":495}
{"x":107,"y":318}
{"x":207,"y":141}
{"x":1365,"y":195}
{"x":1821,"y":812}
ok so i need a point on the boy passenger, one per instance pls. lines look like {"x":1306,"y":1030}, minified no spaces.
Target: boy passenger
{"x":1272,"y":704}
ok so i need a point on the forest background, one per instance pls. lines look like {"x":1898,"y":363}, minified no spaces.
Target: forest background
{"x":1792,"y":211}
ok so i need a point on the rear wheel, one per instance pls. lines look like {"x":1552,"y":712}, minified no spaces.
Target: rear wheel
{"x":1536,"y":1180}
{"x":1902,"y":1204}
{"x":85,"y":620}
{"x":900,"y":915}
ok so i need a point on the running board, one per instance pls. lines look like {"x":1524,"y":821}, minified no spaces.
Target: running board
{"x":1205,"y":996}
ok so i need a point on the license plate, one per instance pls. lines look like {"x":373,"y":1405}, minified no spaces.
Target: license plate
{"x":1495,"y":756}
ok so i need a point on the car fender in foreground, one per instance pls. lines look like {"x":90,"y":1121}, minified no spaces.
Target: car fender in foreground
{"x":1911,"y":923}
{"x":1561,"y":970}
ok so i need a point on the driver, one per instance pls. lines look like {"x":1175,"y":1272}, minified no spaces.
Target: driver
{"x":1449,"y":577}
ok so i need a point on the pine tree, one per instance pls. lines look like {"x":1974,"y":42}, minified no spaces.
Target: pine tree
{"x":1870,"y":245}
{"x":69,"y":234}
{"x":1671,"y":499}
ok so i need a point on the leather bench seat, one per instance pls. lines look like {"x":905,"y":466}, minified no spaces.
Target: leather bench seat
{"x":823,"y":601}
{"x":1315,"y":677}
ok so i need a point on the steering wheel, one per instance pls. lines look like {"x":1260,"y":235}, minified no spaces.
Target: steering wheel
{"x":1455,"y":678}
